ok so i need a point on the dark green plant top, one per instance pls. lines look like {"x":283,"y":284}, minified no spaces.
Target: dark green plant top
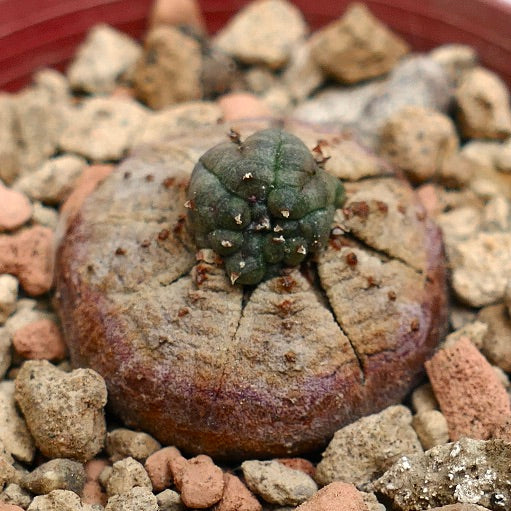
{"x":261,"y":204}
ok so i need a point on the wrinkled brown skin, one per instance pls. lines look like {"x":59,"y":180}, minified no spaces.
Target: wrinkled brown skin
{"x":233,"y":411}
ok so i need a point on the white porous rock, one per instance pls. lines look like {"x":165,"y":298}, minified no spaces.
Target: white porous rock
{"x":125,"y":475}
{"x":481,"y":268}
{"x":54,"y":180}
{"x":103,"y":129}
{"x":497,"y":214}
{"x":44,"y":215}
{"x":431,"y":428}
{"x":136,"y":499}
{"x":10,"y":164}
{"x":60,"y":500}
{"x":54,"y":84}
{"x":15,"y":495}
{"x":5,"y":351}
{"x":104,"y":56}
{"x":169,"y":500}
{"x":123,"y":443}
{"x":8,"y":296}
{"x":464,"y":472}
{"x":264,"y":32}
{"x":455,"y":59}
{"x":475,"y":331}
{"x":278,"y":484}
{"x":64,"y":411}
{"x":14,"y":433}
{"x":423,"y":399}
{"x":363,"y":450}
{"x":27,"y":311}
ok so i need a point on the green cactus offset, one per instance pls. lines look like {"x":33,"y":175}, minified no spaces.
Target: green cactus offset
{"x":261,"y":204}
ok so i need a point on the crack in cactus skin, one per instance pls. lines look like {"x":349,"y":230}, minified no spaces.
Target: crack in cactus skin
{"x":261,"y":204}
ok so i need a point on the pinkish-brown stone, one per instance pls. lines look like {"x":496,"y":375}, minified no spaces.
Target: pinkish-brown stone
{"x":336,"y":496}
{"x":428,"y":196}
{"x":94,"y":467}
{"x":84,"y":186}
{"x":299,"y":464}
{"x":16,"y":209}
{"x":28,"y":255}
{"x":92,"y":493}
{"x":202,"y":482}
{"x":9,"y":507}
{"x":243,"y":105}
{"x":40,"y":340}
{"x":177,"y":12}
{"x":237,"y":497}
{"x":177,"y":465}
{"x":471,"y":397}
{"x":157,"y":466}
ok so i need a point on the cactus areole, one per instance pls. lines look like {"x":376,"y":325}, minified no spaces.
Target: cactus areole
{"x":261,"y":204}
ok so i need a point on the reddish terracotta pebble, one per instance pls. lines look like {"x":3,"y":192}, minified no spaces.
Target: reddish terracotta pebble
{"x":299,"y":464}
{"x":16,"y":209}
{"x":176,"y":466}
{"x":237,"y":497}
{"x":429,"y":199}
{"x":28,"y":255}
{"x":471,"y":396}
{"x":39,"y":340}
{"x":9,"y":507}
{"x":242,"y":105}
{"x":335,"y":496}
{"x":177,"y":12}
{"x":84,"y":186}
{"x":157,"y":465}
{"x":202,"y":482}
{"x":92,"y":493}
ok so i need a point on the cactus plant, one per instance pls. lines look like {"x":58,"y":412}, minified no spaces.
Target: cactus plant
{"x":261,"y":204}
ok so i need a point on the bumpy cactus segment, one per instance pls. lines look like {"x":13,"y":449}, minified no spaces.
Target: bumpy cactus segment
{"x":261,"y":204}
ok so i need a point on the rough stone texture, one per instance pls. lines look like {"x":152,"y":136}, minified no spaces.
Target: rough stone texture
{"x":497,"y":214}
{"x":10,"y":164}
{"x":158,"y":469}
{"x":481,"y":268}
{"x":177,"y":12}
{"x":302,"y":464}
{"x":59,"y":500}
{"x":431,"y":428}
{"x":8,"y":296}
{"x":8,"y":473}
{"x":170,"y":68}
{"x":460,"y":507}
{"x":173,"y":120}
{"x":28,"y":255}
{"x":302,"y":75}
{"x":169,"y":500}
{"x":335,"y":496}
{"x":14,"y":495}
{"x":242,"y":105}
{"x":41,"y":121}
{"x":136,"y":499}
{"x":103,"y":129}
{"x":475,"y":331}
{"x":16,"y":209}
{"x":455,"y":59}
{"x":264,"y":32}
{"x":201,"y":482}
{"x":468,"y":471}
{"x":357,"y":46}
{"x":64,"y":411}
{"x":27,"y":311}
{"x":459,"y":224}
{"x":278,"y":484}
{"x":125,"y":475}
{"x":170,"y":349}
{"x":52,"y":83}
{"x":418,"y":140}
{"x":92,"y":493}
{"x":471,"y":397}
{"x":102,"y":59}
{"x":483,"y":105}
{"x":236,"y":496}
{"x":54,"y":180}
{"x":13,"y":430}
{"x":496,"y":345}
{"x":56,"y":474}
{"x":123,"y":443}
{"x":5,"y":351}
{"x":423,"y":399}
{"x":40,"y":340}
{"x":362,"y":451}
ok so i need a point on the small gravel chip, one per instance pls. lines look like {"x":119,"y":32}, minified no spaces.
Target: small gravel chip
{"x":60,"y":500}
{"x":123,"y":443}
{"x":64,"y":411}
{"x":15,"y":495}
{"x":201,"y":482}
{"x":56,"y":474}
{"x":125,"y":475}
{"x":278,"y":484}
{"x":136,"y":499}
{"x":336,"y":496}
{"x":8,"y":296}
{"x":169,"y":500}
{"x":431,"y":428}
